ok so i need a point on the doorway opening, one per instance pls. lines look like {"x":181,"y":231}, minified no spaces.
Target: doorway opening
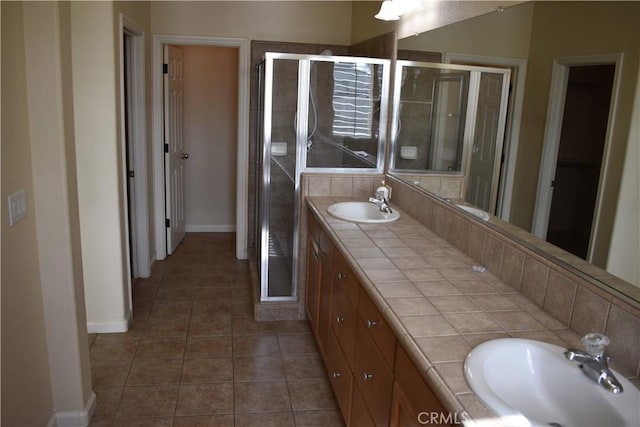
{"x":241,"y":137}
{"x":133,"y":148}
{"x":574,"y":156}
{"x":200,"y":126}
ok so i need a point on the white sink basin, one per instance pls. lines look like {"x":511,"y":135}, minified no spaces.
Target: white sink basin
{"x":362,"y":212}
{"x":531,"y":383}
{"x":475,"y":211}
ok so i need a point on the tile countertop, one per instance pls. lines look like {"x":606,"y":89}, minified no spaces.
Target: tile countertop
{"x":438,"y":306}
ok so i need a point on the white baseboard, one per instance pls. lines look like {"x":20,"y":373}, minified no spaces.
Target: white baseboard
{"x":110,"y":327}
{"x":77,"y":418}
{"x":213,"y":228}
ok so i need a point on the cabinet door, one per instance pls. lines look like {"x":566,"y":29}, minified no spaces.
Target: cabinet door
{"x":373,"y":376}
{"x":343,"y":322}
{"x":377,"y":327}
{"x":339,"y":375}
{"x":313,"y":282}
{"x":360,"y":416}
{"x":324,"y":306}
{"x":413,"y":401}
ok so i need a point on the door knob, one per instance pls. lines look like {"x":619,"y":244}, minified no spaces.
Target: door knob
{"x":184,"y":156}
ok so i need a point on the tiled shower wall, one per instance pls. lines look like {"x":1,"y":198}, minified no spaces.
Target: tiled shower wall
{"x":574,"y":300}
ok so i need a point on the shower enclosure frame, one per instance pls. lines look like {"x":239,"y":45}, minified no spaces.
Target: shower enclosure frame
{"x":263,"y":176}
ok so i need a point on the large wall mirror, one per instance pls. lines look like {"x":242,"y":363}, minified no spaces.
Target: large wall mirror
{"x":571,"y":144}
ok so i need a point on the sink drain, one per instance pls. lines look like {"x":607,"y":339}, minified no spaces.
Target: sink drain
{"x":552,"y":424}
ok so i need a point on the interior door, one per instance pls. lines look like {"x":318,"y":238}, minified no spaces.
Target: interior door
{"x":174,"y":157}
{"x":487,"y":144}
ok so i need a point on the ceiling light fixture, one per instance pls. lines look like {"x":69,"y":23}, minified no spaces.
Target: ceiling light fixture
{"x":392,"y":10}
{"x":388,"y":11}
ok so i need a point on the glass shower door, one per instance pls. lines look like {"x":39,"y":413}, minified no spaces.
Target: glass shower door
{"x":277,"y":167}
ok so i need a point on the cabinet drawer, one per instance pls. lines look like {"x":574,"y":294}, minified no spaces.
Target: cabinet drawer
{"x":344,"y":277}
{"x":413,"y":390}
{"x":343,"y":322}
{"x":381,"y":333}
{"x":373,"y":376}
{"x":339,"y":375}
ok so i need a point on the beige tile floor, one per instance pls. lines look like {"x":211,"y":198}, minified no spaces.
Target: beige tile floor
{"x":194,"y":356}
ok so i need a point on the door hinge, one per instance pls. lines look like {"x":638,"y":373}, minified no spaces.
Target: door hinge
{"x":165,"y":68}
{"x":166,"y":148}
{"x":167,"y":223}
{"x":131,"y":174}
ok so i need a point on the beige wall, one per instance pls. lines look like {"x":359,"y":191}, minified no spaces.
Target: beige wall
{"x":562,"y":29}
{"x":625,"y":238}
{"x":26,"y":385}
{"x":46,"y":374}
{"x":293,"y":21}
{"x":99,"y":167}
{"x":483,"y":35}
{"x":210,"y":135}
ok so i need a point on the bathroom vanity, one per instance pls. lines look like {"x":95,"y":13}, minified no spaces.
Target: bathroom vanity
{"x":396,"y":308}
{"x":374,"y":380}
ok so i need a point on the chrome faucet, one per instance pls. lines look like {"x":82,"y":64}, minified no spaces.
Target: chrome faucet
{"x":594,"y":363}
{"x":381,"y":201}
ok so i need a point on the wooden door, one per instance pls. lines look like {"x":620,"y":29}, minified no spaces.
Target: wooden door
{"x":486,"y":151}
{"x":175,"y":155}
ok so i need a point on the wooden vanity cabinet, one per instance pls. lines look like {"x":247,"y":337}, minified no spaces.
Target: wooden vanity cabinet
{"x":413,"y":400}
{"x":374,"y":381}
{"x":320,"y":254}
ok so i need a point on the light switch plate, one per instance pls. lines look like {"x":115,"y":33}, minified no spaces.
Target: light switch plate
{"x":17,"y":206}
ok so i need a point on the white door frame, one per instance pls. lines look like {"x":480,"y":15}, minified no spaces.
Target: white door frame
{"x":159,"y":40}
{"x":553,"y":128}
{"x":140,"y":251}
{"x":512,"y":139}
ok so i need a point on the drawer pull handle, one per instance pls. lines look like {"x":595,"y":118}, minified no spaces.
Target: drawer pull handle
{"x":317,"y":255}
{"x":371,"y":323}
{"x":336,"y":375}
{"x":342,"y":276}
{"x":367,"y":376}
{"x":339,"y":319}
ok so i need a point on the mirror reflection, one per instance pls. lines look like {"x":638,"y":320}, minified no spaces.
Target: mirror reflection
{"x":547,"y":45}
{"x":450,"y":119}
